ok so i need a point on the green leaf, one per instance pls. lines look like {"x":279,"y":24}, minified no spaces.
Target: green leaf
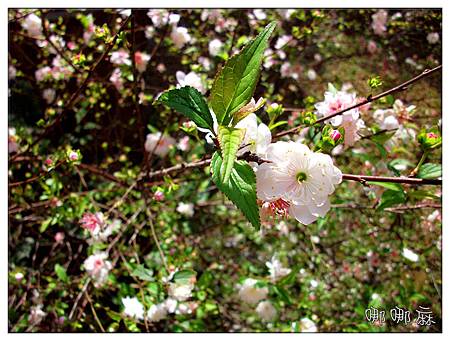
{"x":382,"y":136}
{"x":229,"y":140}
{"x":190,"y":102}
{"x":388,"y":185}
{"x":142,"y":273}
{"x":240,"y":189}
{"x":184,"y":276}
{"x":235,"y":83}
{"x":430,"y":171}
{"x":391,"y":198}
{"x":283,"y":294}
{"x":61,"y":273}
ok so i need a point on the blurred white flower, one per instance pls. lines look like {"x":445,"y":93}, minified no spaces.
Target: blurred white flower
{"x":389,"y":123}
{"x":120,"y":57}
{"x":11,"y":72}
{"x":33,"y":24}
{"x":157,"y":312}
{"x":36,"y":315}
{"x":214,"y":47}
{"x":159,"y":145}
{"x":379,"y":20}
{"x":183,"y":143}
{"x":116,"y":79}
{"x":49,"y":95}
{"x":190,"y":79}
{"x":410,"y":255}
{"x":18,"y":276}
{"x":43,"y":73}
{"x":186,"y":209}
{"x":180,"y":36}
{"x":171,"y":305}
{"x":159,"y":17}
{"x":282,"y":41}
{"x":433,"y":216}
{"x":433,"y":37}
{"x":311,"y":74}
{"x":250,"y":293}
{"x":98,"y":267}
{"x":13,"y":146}
{"x":133,"y":307}
{"x":257,"y":137}
{"x":266,"y":310}
{"x":180,"y":292}
{"x":276,"y":269}
{"x":372,"y":47}
{"x":307,"y":326}
{"x":259,"y":14}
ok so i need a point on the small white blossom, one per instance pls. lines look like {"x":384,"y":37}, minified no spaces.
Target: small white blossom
{"x":214,"y":47}
{"x":190,"y":79}
{"x":120,"y":57}
{"x":133,"y":307}
{"x":410,"y":255}
{"x":266,"y":310}
{"x":250,"y":293}
{"x":36,"y":315}
{"x":433,"y":37}
{"x":276,"y":269}
{"x":98,"y":267}
{"x":49,"y":95}
{"x":180,"y":292}
{"x":186,"y":209}
{"x":157,"y":312}
{"x":307,"y":326}
{"x":33,"y":25}
{"x":180,"y":36}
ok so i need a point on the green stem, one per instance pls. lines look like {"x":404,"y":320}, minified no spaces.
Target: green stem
{"x":421,"y":161}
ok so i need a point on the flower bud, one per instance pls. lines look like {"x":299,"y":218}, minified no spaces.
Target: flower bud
{"x":335,"y":135}
{"x":158,"y":196}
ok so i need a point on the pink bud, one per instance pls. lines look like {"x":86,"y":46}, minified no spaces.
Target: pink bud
{"x":48,"y":161}
{"x":59,"y":237}
{"x":159,"y":196}
{"x":335,"y":135}
{"x":73,"y":156}
{"x":18,"y":276}
{"x":432,"y":135}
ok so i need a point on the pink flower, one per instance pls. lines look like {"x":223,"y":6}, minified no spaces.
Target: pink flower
{"x":160,"y":145}
{"x":183,"y":144}
{"x":141,"y":59}
{"x":59,"y":237}
{"x":73,"y":156}
{"x":335,"y":135}
{"x":372,"y":47}
{"x":379,"y":20}
{"x":180,"y":36}
{"x":116,"y":79}
{"x":12,"y":141}
{"x":93,"y":222}
{"x":120,"y":57}
{"x":159,"y":196}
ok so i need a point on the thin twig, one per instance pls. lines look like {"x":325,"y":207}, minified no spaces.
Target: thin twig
{"x":403,"y":180}
{"x":155,"y":238}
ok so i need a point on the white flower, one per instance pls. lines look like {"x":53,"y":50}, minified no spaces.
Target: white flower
{"x":259,"y":14}
{"x":171,"y":305}
{"x":433,"y":216}
{"x":174,"y":18}
{"x":214,"y":47}
{"x":257,"y":137}
{"x":49,"y":95}
{"x":97,"y":266}
{"x":297,"y":181}
{"x":120,"y":57}
{"x":180,"y":36}
{"x":33,"y":25}
{"x":190,"y":79}
{"x":36,"y":315}
{"x":282,"y":41}
{"x":157,"y":312}
{"x":180,"y":292}
{"x":18,"y":276}
{"x":133,"y":307}
{"x":116,"y":79}
{"x":251,"y":294}
{"x":311,"y":74}
{"x":379,"y":20}
{"x":389,"y":123}
{"x":183,"y":144}
{"x":160,"y":145}
{"x":43,"y":73}
{"x":276,"y":269}
{"x":11,"y":72}
{"x":159,"y":17}
{"x":186,"y":209}
{"x":266,"y":311}
{"x":307,"y":326}
{"x":410,"y":255}
{"x":433,"y":37}
{"x":314,"y":284}
{"x":141,"y":59}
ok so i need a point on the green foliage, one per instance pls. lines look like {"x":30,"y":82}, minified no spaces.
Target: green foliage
{"x":430,"y":171}
{"x":230,"y":140}
{"x":235,"y":83}
{"x":61,"y":273}
{"x":240,"y":189}
{"x":189,"y":102}
{"x":391,"y":198}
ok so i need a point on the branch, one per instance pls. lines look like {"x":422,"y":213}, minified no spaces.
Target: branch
{"x":411,"y":181}
{"x":369,"y":99}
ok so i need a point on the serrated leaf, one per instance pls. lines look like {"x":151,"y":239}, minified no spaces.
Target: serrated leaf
{"x":430,"y":171}
{"x":61,"y":273}
{"x":189,"y":102}
{"x":142,"y":273}
{"x":235,"y":83}
{"x":390,"y":198}
{"x":389,"y":185}
{"x":184,"y":276}
{"x":240,"y":189}
{"x":229,"y":140}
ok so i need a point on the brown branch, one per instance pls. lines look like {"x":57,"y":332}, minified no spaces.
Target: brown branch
{"x":411,"y":181}
{"x":369,"y":99}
